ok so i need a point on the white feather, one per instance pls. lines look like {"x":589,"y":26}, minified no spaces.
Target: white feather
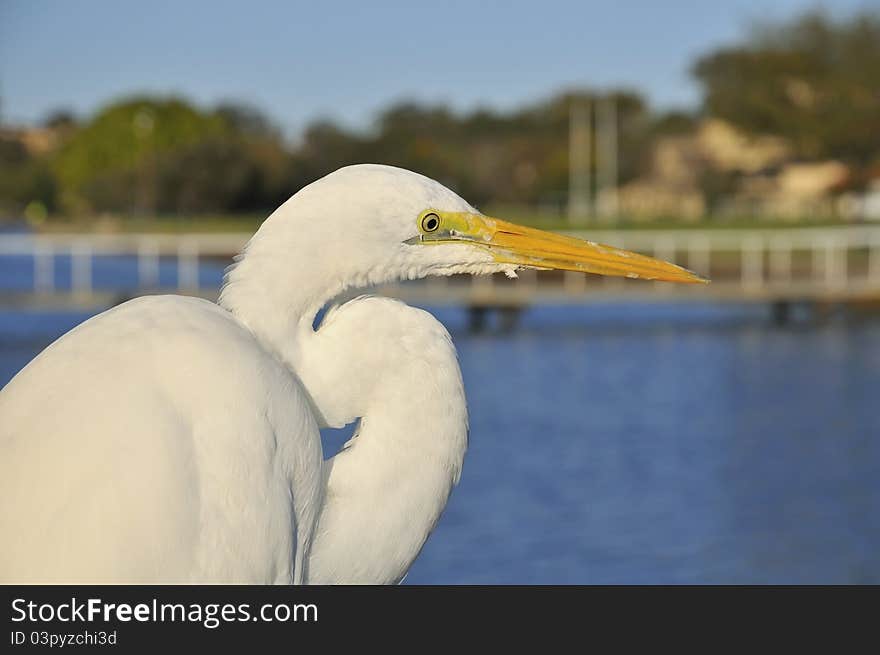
{"x":174,"y":440}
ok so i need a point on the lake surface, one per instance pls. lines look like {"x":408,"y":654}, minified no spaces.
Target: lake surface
{"x":647,"y":444}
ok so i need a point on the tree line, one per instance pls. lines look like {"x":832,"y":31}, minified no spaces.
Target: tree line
{"x":813,"y":80}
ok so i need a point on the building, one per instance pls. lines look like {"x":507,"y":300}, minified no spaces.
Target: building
{"x":722,"y":171}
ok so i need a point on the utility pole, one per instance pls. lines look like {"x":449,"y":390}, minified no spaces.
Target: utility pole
{"x":579,"y":156}
{"x":606,"y":164}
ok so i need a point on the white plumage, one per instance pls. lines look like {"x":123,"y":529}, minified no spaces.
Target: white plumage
{"x":171,"y":439}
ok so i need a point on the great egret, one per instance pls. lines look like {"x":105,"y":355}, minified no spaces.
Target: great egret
{"x":171,"y":439}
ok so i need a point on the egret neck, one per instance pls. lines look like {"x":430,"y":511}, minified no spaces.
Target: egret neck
{"x":375,"y":360}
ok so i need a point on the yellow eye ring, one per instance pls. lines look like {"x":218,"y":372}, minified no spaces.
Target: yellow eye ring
{"x":430,"y":222}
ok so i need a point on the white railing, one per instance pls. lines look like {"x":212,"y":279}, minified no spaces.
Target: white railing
{"x":187,"y":249}
{"x":837,"y":262}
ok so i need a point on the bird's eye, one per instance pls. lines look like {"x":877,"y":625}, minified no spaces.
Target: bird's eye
{"x":430,"y":222}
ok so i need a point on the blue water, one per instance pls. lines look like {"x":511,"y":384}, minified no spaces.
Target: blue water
{"x":640,"y":445}
{"x":647,"y":444}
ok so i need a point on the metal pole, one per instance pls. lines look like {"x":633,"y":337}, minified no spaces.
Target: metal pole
{"x":606,"y":163}
{"x":579,"y":147}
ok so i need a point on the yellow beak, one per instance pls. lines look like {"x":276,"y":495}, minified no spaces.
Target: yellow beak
{"x":529,"y":247}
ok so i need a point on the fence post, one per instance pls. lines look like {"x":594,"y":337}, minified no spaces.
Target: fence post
{"x":699,"y":255}
{"x":81,"y":267}
{"x":752,"y":262}
{"x":815,"y":259}
{"x":664,"y":248}
{"x":148,"y":264}
{"x":188,"y":265}
{"x":44,"y":268}
{"x":780,"y":259}
{"x":835,"y":269}
{"x":874,"y":259}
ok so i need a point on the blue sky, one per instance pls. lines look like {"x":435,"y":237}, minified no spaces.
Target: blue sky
{"x":298,"y":61}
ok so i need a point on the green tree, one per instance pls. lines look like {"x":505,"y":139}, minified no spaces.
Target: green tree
{"x":148,"y":155}
{"x":813,"y":80}
{"x":516,"y":157}
{"x":166,"y":156}
{"x":24,"y":179}
{"x":112,"y":162}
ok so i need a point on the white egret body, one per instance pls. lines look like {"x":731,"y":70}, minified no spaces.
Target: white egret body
{"x":171,"y":439}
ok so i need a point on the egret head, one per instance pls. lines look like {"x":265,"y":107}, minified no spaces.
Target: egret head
{"x":382,"y":223}
{"x":368,"y":224}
